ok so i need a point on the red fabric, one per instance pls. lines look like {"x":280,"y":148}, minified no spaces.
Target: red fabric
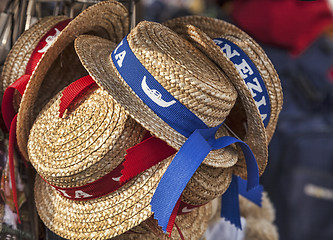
{"x":74,"y":91}
{"x":145,"y":155}
{"x":185,"y":208}
{"x":289,"y":24}
{"x":37,"y":54}
{"x":102,"y":186}
{"x":20,"y":84}
{"x":173,"y":217}
{"x":7,"y":108}
{"x":180,"y":232}
{"x":11,"y":143}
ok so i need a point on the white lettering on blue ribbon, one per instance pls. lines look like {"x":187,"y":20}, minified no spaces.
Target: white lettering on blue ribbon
{"x":200,"y":138}
{"x":250,"y":75}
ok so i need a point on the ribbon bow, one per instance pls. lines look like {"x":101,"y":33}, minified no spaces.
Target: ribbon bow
{"x":201,"y":139}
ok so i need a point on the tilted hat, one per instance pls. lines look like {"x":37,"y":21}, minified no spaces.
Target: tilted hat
{"x":79,"y":151}
{"x":174,"y":91}
{"x":59,"y":66}
{"x":255,"y":114}
{"x":180,"y":68}
{"x":18,"y":67}
{"x":22,"y":60}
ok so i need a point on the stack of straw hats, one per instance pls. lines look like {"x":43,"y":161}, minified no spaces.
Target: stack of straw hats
{"x":79,"y":154}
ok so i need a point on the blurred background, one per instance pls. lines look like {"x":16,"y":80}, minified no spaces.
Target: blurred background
{"x":298,"y":38}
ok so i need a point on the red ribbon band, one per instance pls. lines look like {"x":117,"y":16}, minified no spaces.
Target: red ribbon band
{"x":8,"y":112}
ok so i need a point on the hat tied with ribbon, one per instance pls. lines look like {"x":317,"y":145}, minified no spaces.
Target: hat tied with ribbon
{"x":150,"y":98}
{"x":45,"y":32}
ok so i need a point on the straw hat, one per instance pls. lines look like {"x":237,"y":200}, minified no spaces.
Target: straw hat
{"x":59,"y":65}
{"x":180,"y":68}
{"x":18,"y":57}
{"x":192,"y":226}
{"x":79,"y":149}
{"x":187,"y":74}
{"x":19,"y":62}
{"x":245,"y":119}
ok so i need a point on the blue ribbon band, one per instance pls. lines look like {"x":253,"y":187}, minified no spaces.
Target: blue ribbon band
{"x":250,"y":74}
{"x":201,"y":139}
{"x":230,"y":199}
{"x":152,"y":93}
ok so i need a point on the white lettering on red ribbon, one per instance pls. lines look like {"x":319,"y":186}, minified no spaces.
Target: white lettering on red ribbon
{"x":187,"y":210}
{"x":77,"y":194}
{"x":117,"y":179}
{"x":49,"y":40}
{"x":81,"y":194}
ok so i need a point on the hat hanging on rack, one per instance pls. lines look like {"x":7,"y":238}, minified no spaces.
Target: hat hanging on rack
{"x":19,"y":65}
{"x":177,"y":94}
{"x":108,"y":19}
{"x":255,"y":114}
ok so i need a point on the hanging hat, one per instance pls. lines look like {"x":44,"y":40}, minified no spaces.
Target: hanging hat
{"x":59,"y":66}
{"x":255,"y":114}
{"x":19,"y":65}
{"x":175,"y":92}
{"x":79,"y":151}
{"x":22,"y":60}
{"x":181,"y":69}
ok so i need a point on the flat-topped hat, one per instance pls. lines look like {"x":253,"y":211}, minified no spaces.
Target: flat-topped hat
{"x":79,"y":158}
{"x":255,"y":114}
{"x":18,"y":67}
{"x":22,"y":60}
{"x":107,"y":19}
{"x":175,"y":92}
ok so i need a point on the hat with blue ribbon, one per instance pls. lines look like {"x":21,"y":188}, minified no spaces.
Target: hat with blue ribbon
{"x":255,"y":114}
{"x":179,"y":95}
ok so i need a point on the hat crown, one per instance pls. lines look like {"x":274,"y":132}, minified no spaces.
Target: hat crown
{"x":182,"y":70}
{"x":85,"y":144}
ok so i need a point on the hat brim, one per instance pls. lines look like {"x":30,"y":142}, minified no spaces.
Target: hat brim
{"x":192,"y":226}
{"x":94,"y":54}
{"x":107,"y":19}
{"x":254,"y":134}
{"x":103,"y":217}
{"x":216,"y":28}
{"x":19,"y":55}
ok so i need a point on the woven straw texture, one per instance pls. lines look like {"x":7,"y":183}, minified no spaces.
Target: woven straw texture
{"x":245,"y":110}
{"x":192,"y":226}
{"x":215,"y":28}
{"x":100,"y":218}
{"x":84,"y":145}
{"x":59,"y":65}
{"x":18,"y":57}
{"x":180,"y":68}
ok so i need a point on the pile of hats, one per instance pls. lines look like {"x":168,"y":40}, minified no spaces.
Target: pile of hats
{"x":132,"y":130}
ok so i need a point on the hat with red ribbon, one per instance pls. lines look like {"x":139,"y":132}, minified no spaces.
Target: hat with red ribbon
{"x":18,"y":67}
{"x":59,"y":65}
{"x":179,"y":95}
